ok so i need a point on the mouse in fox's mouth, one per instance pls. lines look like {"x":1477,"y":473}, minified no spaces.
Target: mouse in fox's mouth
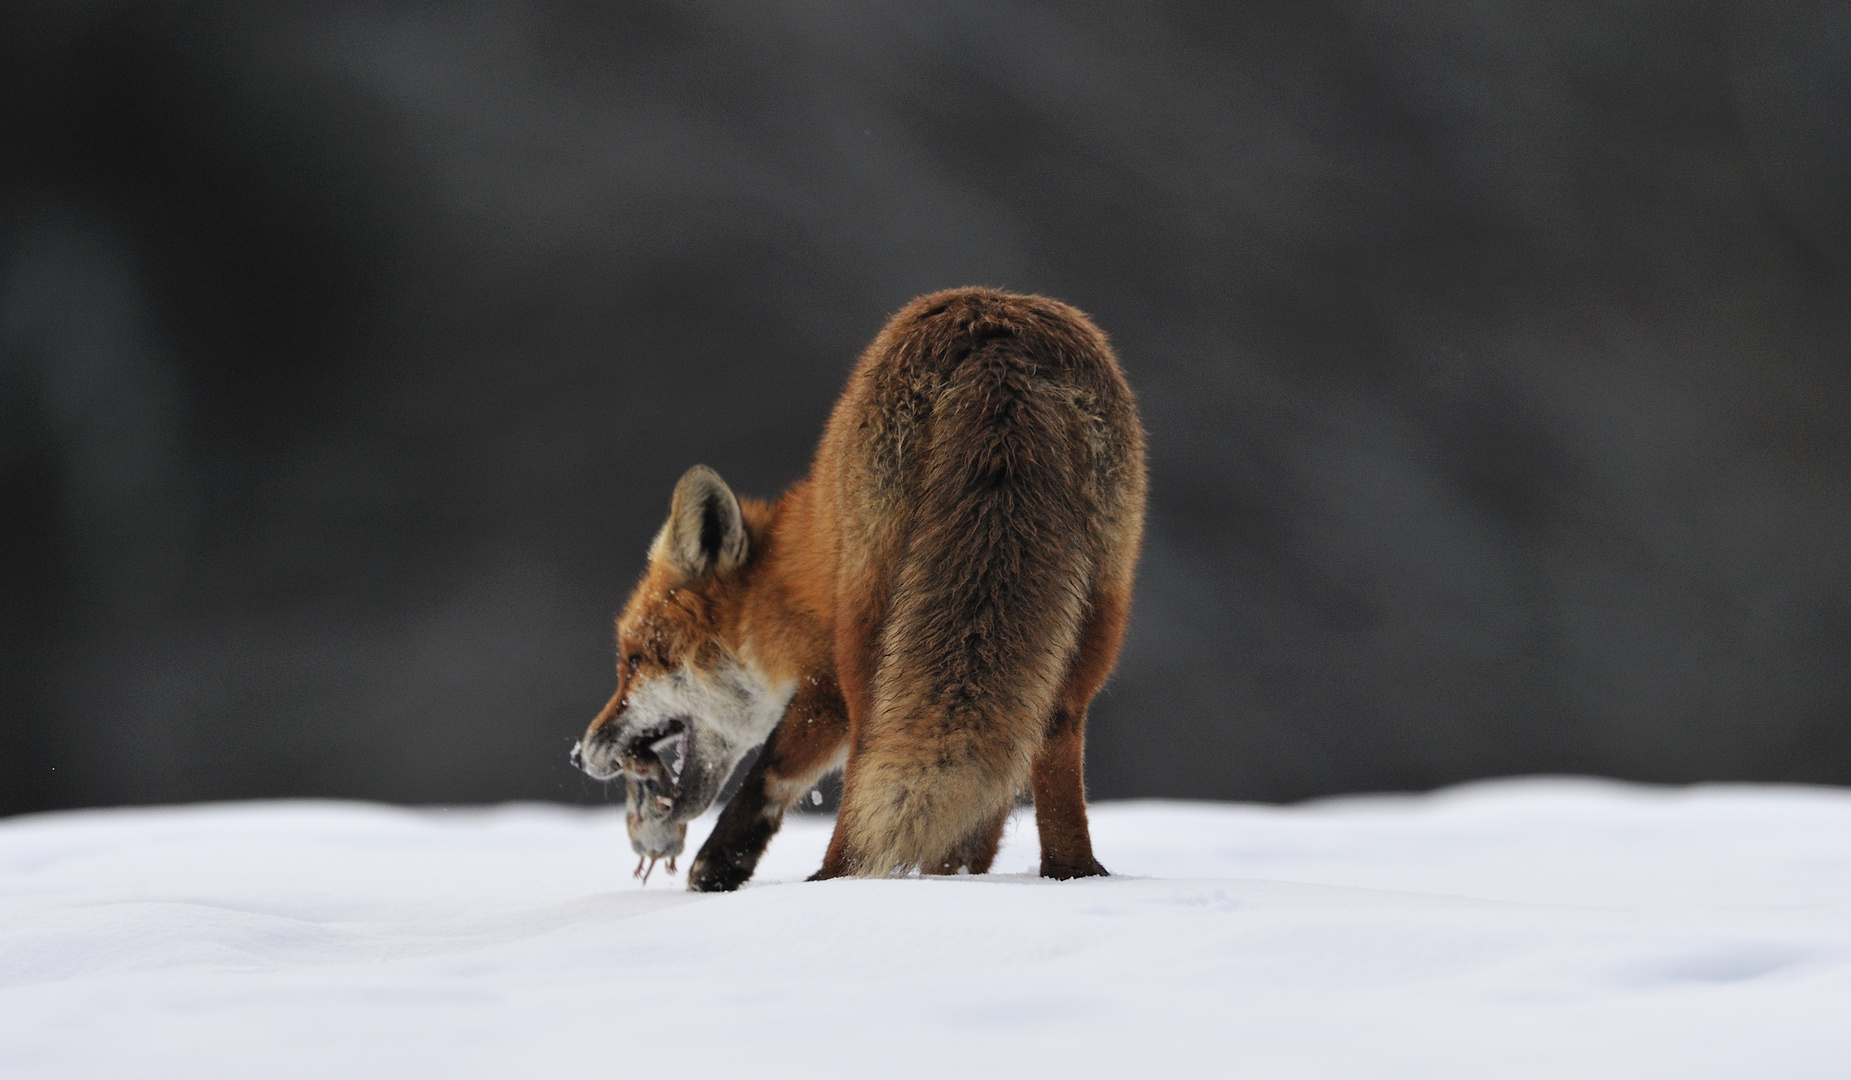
{"x":652,"y":782}
{"x":653,"y":764}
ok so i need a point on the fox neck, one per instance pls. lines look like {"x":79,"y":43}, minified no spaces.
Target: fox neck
{"x":785,"y":613}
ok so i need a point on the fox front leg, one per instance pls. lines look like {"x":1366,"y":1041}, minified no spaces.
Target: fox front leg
{"x":731,"y":853}
{"x":808,"y":744}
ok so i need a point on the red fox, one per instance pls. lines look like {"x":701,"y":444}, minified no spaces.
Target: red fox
{"x":932,"y":608}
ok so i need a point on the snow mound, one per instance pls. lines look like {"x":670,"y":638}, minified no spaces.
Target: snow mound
{"x":1514,"y":929}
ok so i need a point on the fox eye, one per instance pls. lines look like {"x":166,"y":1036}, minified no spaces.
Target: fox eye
{"x":634,"y":660}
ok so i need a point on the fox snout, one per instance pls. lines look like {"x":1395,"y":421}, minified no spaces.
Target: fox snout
{"x":596,"y":755}
{"x":658,"y":753}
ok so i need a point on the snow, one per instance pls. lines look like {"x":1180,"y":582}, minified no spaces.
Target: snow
{"x":1540,"y":928}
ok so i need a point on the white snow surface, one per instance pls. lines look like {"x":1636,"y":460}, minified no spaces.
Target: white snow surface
{"x":1535,"y":928}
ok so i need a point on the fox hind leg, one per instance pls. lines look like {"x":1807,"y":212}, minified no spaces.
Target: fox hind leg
{"x":1058,"y":780}
{"x":1058,"y":776}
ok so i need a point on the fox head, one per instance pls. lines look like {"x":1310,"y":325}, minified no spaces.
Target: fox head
{"x":687,"y":707}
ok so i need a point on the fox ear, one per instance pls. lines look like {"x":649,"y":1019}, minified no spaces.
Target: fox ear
{"x":705,"y":531}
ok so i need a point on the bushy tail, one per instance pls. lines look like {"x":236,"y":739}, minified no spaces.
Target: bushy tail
{"x":986,"y":611}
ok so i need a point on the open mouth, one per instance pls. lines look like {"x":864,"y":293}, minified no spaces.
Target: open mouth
{"x":654,"y":761}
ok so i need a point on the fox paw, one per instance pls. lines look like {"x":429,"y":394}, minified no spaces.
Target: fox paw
{"x":717,"y":875}
{"x":1067,"y":871}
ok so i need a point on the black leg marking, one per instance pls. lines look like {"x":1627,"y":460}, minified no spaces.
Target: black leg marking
{"x":728,"y":858}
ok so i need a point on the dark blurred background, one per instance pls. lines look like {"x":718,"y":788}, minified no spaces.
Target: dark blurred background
{"x":1493,"y":353}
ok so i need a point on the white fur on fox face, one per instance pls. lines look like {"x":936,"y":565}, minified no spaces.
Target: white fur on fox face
{"x":730,"y":709}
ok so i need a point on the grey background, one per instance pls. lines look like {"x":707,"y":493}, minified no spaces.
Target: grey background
{"x":1493,"y":355}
